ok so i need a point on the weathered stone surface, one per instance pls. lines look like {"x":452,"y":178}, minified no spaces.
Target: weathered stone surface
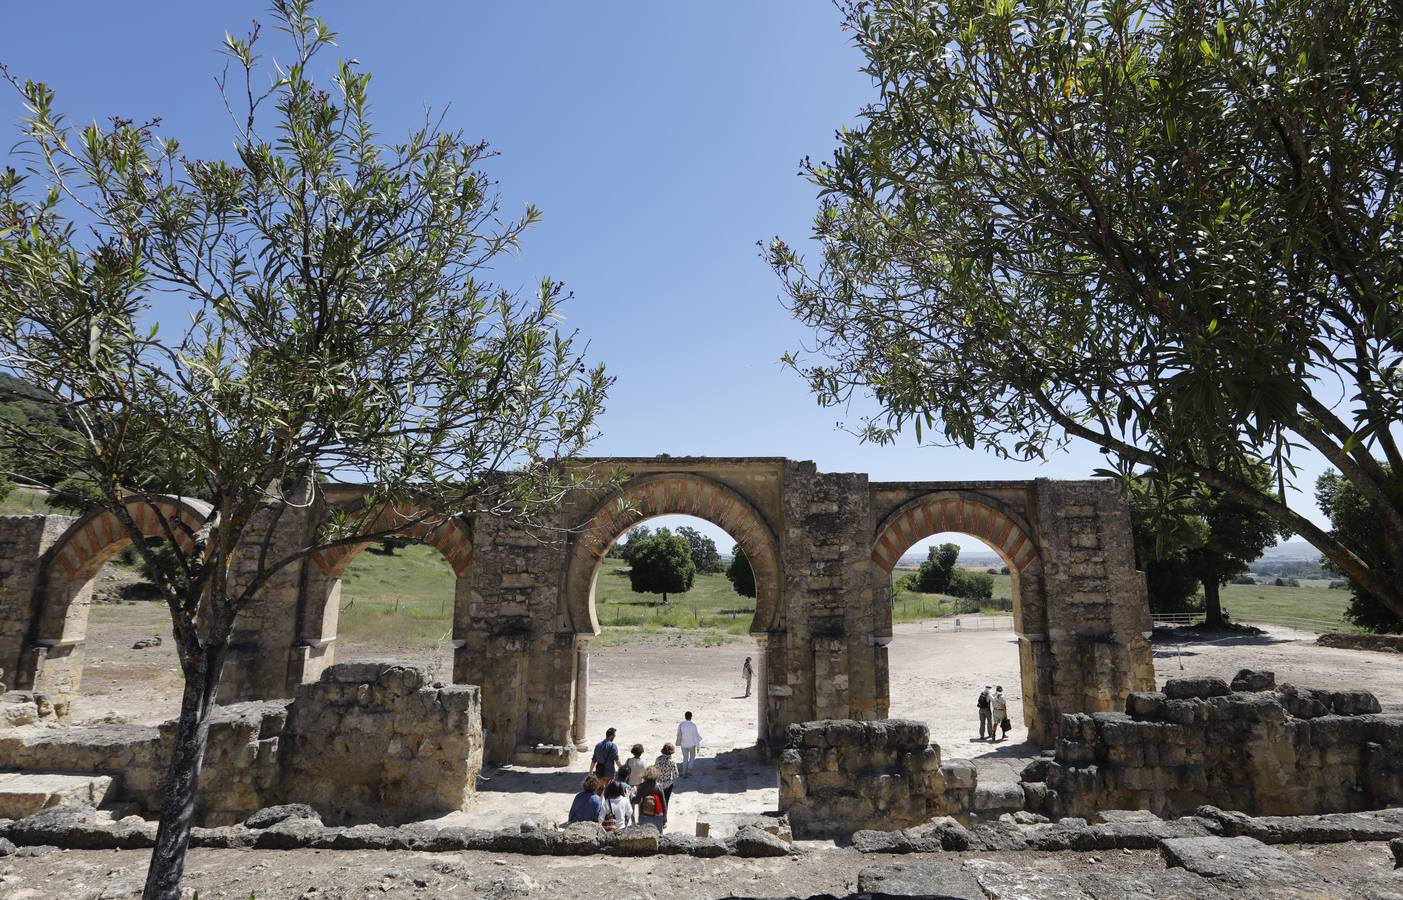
{"x":1253,"y":680}
{"x":367,"y":837}
{"x":582,"y":839}
{"x":708,"y":848}
{"x":1201,"y":687}
{"x":272,"y":815}
{"x":675,"y":843}
{"x":226,"y":837}
{"x":998,"y":836}
{"x":25,"y":793}
{"x":999,"y":879}
{"x":751,"y":842}
{"x":1396,"y":845}
{"x":289,"y":834}
{"x":1237,"y":861}
{"x":943,"y":833}
{"x":6,"y":848}
{"x":636,"y":840}
{"x":1287,"y":751}
{"x":1005,"y":797}
{"x":839,"y":777}
{"x":1171,"y":884}
{"x":872,"y":841}
{"x":79,"y":828}
{"x":935,"y":878}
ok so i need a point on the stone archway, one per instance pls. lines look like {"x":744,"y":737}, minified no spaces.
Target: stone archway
{"x":52,"y":656}
{"x":314,"y":644}
{"x":1009,"y":536}
{"x":647,"y":497}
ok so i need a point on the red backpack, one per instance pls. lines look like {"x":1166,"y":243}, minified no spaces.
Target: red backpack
{"x":651,"y":805}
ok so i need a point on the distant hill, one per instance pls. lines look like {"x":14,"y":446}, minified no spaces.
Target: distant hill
{"x":1292,"y":550}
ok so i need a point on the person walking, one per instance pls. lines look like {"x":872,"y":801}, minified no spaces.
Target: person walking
{"x":635,"y":767}
{"x":588,"y":805}
{"x":606,"y":757}
{"x":689,"y":740}
{"x":998,"y":712}
{"x":747,"y":671}
{"x":667,"y":772}
{"x":986,"y":716}
{"x":652,"y":805}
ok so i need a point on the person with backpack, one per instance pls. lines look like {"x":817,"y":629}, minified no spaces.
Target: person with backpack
{"x":606,"y":757}
{"x":618,"y":812}
{"x":652,"y":805}
{"x":986,"y":716}
{"x":588,"y":806}
{"x":998,"y":711}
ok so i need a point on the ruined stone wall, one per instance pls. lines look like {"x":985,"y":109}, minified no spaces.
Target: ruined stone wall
{"x":1254,"y":748}
{"x":367,"y":742}
{"x":839,"y":777}
{"x":23,"y":542}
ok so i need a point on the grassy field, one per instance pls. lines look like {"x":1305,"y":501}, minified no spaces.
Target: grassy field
{"x":712,"y":607}
{"x":407,"y":599}
{"x":914,"y":606}
{"x":24,"y":501}
{"x":394,"y":601}
{"x":1311,"y":608}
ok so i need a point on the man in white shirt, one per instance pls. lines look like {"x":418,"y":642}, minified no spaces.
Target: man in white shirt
{"x":688,"y":739}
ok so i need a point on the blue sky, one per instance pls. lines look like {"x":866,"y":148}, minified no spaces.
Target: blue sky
{"x":660,"y":140}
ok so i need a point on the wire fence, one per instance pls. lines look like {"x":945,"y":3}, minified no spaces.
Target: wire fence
{"x":968,"y":623}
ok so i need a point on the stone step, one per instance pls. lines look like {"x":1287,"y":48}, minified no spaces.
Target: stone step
{"x":25,"y":793}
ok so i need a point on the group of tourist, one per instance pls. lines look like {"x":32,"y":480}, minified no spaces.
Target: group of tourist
{"x":993,"y":714}
{"x":633,"y":792}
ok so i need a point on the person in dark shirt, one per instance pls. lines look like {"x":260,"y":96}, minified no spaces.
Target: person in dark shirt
{"x":588,"y":805}
{"x":606,"y":757}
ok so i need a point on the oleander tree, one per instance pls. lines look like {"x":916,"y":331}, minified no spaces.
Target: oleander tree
{"x":316,"y":305}
{"x":1169,"y":229}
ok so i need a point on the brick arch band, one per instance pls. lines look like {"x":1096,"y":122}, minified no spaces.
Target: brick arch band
{"x":91,"y":541}
{"x":960,"y":511}
{"x":664,"y":495}
{"x":449,"y":537}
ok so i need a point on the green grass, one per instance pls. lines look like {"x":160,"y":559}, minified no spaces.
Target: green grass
{"x":711,"y":605}
{"x":1313,"y":608}
{"x":914,"y":606}
{"x":24,"y":501}
{"x":391,"y":601}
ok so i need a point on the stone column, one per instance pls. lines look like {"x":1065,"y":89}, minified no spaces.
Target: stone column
{"x":761,"y":675}
{"x":580,"y":730}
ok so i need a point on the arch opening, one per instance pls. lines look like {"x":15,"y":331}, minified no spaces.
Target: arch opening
{"x":401,"y":595}
{"x":55,"y":648}
{"x":966,"y":591}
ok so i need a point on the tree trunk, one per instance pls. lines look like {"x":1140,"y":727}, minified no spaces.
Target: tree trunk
{"x":183,"y":778}
{"x":1212,"y":605}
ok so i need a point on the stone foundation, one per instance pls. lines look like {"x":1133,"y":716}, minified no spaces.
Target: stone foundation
{"x":367,"y":742}
{"x":1251,"y":747}
{"x":837,"y":777}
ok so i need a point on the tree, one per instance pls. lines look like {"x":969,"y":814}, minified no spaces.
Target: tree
{"x":1155,"y":226}
{"x":703,"y":550}
{"x":970,"y":585}
{"x":1352,"y":521}
{"x":933,"y":577}
{"x":636,"y":538}
{"x":317,"y":305}
{"x":662,"y":564}
{"x":739,"y":573}
{"x":1187,"y":536}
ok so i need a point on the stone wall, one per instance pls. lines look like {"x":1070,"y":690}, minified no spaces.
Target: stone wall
{"x":1251,"y":747}
{"x":367,"y":742}
{"x":822,"y":546}
{"x":837,"y":777}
